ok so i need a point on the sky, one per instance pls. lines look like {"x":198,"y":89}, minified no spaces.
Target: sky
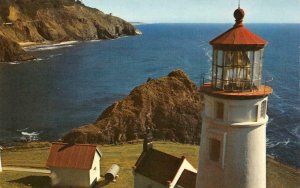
{"x":200,"y":11}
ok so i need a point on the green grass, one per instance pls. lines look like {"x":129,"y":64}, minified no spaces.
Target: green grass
{"x":126,"y":156}
{"x":35,"y":155}
{"x":32,"y":155}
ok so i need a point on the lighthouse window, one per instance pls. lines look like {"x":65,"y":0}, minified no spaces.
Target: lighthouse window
{"x":256,"y":112}
{"x":214,"y":150}
{"x":220,"y":58}
{"x":263,"y":109}
{"x":237,"y":70}
{"x":220,"y":110}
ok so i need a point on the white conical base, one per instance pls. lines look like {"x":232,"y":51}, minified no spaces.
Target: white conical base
{"x":241,"y":135}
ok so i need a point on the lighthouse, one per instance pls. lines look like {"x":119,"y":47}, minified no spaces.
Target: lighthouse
{"x":233,"y":138}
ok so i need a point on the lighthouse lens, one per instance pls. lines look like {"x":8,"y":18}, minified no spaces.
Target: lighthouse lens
{"x":237,"y":71}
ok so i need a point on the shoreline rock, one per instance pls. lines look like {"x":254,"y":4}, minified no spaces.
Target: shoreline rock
{"x":11,"y":51}
{"x":170,"y":106}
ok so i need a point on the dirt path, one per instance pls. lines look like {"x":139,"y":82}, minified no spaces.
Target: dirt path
{"x":22,"y":169}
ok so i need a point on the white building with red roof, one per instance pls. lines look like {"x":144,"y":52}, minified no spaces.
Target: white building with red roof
{"x":74,"y":165}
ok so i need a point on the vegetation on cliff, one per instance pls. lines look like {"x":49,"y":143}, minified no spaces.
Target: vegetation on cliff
{"x":58,"y":20}
{"x":170,"y":106}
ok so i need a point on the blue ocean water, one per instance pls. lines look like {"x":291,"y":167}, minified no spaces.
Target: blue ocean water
{"x":71,"y":84}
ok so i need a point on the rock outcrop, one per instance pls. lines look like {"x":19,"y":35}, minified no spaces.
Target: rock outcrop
{"x":170,"y":106}
{"x":11,"y":51}
{"x":58,"y":20}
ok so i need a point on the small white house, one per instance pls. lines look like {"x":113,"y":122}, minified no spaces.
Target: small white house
{"x":74,"y":165}
{"x":0,"y":159}
{"x":156,"y":169}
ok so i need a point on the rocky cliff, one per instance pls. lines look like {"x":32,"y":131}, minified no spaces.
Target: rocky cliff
{"x":11,"y":51}
{"x":58,"y":20}
{"x":170,"y":106}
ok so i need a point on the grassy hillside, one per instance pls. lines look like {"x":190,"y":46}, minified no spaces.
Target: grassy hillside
{"x":35,"y":155}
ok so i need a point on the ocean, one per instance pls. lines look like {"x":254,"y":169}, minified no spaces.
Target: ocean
{"x":71,"y":83}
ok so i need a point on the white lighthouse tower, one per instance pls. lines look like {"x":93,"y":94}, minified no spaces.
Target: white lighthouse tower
{"x":233,"y":138}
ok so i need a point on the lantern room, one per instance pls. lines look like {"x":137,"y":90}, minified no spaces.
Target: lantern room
{"x":237,"y":58}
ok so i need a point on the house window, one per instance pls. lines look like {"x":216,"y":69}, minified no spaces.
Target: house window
{"x":95,"y":168}
{"x":219,"y":110}
{"x":214,"y":150}
{"x":263,"y":109}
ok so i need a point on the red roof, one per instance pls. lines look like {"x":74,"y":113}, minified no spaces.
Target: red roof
{"x":158,"y":166}
{"x":238,"y":35}
{"x":77,"y":156}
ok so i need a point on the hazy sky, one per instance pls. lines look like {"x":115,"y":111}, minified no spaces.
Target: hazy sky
{"x":195,"y":11}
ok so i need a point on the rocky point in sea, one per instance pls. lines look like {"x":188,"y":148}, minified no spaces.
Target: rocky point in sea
{"x":52,"y":21}
{"x":170,"y":106}
{"x":11,"y":51}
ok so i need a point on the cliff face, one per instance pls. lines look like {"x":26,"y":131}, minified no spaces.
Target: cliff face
{"x":170,"y":106}
{"x":58,"y":20}
{"x":11,"y":51}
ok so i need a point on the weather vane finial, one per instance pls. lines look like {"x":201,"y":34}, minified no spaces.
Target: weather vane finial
{"x":239,"y":3}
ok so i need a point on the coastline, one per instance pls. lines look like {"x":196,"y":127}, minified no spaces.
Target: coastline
{"x":27,"y":45}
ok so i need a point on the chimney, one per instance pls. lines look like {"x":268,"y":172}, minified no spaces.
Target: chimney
{"x":148,"y":139}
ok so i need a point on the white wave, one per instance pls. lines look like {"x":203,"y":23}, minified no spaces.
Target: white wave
{"x":296,"y":108}
{"x":270,"y":120}
{"x":54,"y":55}
{"x":96,"y":40}
{"x":66,"y":43}
{"x":296,"y":132}
{"x":202,"y":44}
{"x":51,"y":46}
{"x":30,"y":136}
{"x":14,"y":63}
{"x":208,"y":55}
{"x":273,"y":144}
{"x":38,"y":59}
{"x":286,"y":142}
